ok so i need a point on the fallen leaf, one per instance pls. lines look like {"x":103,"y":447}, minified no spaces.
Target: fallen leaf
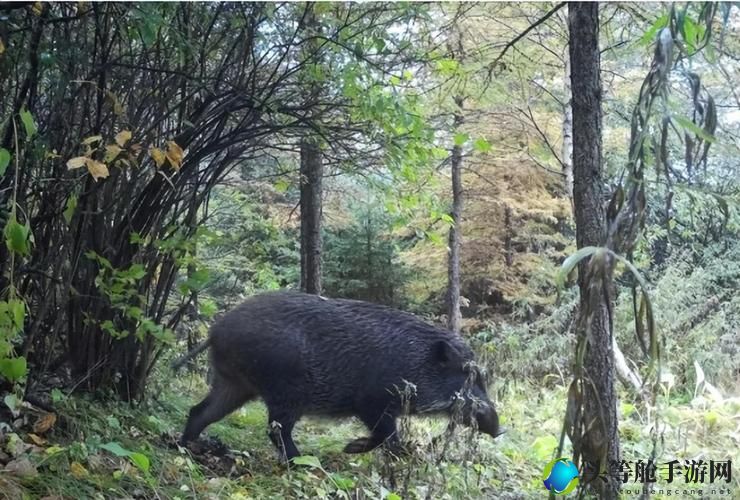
{"x":123,"y":137}
{"x":44,"y":423}
{"x":174,"y":154}
{"x":22,"y":467}
{"x":2,"y":46}
{"x":37,"y":440}
{"x":76,"y":162}
{"x":158,"y":156}
{"x":78,"y":470}
{"x":97,"y":169}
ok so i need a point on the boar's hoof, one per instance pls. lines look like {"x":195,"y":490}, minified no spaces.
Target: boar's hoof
{"x":367,"y":444}
{"x":361,"y":445}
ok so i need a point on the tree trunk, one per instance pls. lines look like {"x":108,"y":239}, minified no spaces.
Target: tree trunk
{"x":312,"y":171}
{"x":598,"y":442}
{"x":454,"y":318}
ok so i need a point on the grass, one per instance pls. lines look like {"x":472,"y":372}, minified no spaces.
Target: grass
{"x":70,"y":462}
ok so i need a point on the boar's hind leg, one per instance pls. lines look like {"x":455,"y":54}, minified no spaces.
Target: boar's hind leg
{"x":222,"y":400}
{"x":383,"y":432}
{"x":280,"y":428}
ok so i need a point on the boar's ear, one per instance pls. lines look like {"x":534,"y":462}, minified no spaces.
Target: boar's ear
{"x":446,"y":354}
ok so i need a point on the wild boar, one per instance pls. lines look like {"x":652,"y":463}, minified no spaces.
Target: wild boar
{"x":308,"y":355}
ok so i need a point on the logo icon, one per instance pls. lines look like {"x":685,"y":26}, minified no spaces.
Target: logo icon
{"x":560,"y":476}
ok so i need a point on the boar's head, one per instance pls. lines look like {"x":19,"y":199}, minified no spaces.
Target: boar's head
{"x":462,"y":384}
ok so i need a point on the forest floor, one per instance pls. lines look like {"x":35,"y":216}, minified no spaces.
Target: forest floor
{"x":100,"y":449}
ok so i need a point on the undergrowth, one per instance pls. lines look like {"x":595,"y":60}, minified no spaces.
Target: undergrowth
{"x":78,"y":455}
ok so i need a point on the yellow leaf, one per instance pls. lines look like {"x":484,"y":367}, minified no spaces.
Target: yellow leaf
{"x":174,"y":154}
{"x":92,"y":139}
{"x":97,"y":169}
{"x":44,"y":423}
{"x":77,"y":162}
{"x":38,"y":441}
{"x":2,"y":46}
{"x":78,"y":470}
{"x":158,"y":156}
{"x":123,"y":137}
{"x":111,"y":152}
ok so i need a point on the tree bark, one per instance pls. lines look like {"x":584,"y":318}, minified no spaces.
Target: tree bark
{"x":312,"y":171}
{"x":598,"y":441}
{"x":454,"y":317}
{"x":567,"y":149}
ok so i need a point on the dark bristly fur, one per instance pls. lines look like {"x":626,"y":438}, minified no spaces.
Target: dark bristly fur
{"x":304,"y":354}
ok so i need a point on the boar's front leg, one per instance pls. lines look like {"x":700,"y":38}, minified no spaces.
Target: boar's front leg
{"x":383,"y":431}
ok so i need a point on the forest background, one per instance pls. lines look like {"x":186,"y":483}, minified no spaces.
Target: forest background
{"x":159,"y":163}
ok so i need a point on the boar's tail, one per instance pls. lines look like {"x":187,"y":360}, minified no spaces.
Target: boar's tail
{"x":177,"y":364}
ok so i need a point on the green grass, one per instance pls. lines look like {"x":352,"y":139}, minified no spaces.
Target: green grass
{"x":442,"y":465}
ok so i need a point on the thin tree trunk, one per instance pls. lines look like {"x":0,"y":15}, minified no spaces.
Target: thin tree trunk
{"x":454,"y":317}
{"x":599,"y":441}
{"x":312,"y":171}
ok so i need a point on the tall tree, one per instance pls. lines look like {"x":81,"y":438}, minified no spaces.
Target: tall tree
{"x":454,"y":317}
{"x":312,"y":171}
{"x":598,"y":444}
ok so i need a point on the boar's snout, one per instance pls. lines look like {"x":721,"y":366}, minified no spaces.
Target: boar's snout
{"x":487,"y":420}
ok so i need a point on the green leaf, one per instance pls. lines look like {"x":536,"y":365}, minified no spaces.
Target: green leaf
{"x":116,"y":449}
{"x":393,"y":496}
{"x":659,"y":24}
{"x":17,"y":310}
{"x":461,"y":139}
{"x":57,"y":396}
{"x":140,"y":460}
{"x":482,"y":145}
{"x":16,"y":236}
{"x":572,"y":261}
{"x":689,"y":30}
{"x":343,"y":483}
{"x":69,"y":210}
{"x":4,"y":160}
{"x":13,"y":369}
{"x":28,"y":123}
{"x":687,"y":124}
{"x":308,"y":460}
{"x":12,"y":402}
